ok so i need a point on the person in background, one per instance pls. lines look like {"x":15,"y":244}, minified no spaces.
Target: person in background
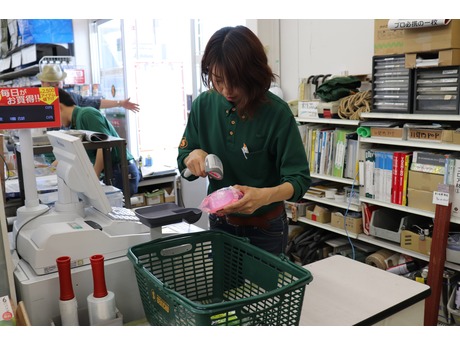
{"x":254,"y":134}
{"x":91,"y":119}
{"x":52,"y":75}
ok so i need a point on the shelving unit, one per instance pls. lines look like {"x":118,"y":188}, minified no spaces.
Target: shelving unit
{"x":383,"y":243}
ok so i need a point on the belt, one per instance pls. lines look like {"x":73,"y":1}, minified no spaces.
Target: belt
{"x":262,"y":221}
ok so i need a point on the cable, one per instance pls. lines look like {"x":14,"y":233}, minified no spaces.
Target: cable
{"x":345,"y":216}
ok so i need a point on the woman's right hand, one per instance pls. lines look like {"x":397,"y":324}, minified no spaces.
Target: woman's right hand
{"x":195,"y":162}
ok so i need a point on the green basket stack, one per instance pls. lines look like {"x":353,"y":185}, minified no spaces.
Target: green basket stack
{"x":213,"y":278}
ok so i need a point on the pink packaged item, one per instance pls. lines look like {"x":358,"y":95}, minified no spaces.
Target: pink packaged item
{"x":219,"y":199}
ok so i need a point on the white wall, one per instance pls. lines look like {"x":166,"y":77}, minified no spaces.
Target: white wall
{"x":323,"y":46}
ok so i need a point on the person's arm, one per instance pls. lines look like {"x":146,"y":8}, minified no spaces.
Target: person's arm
{"x":125,"y":103}
{"x":99,"y":163}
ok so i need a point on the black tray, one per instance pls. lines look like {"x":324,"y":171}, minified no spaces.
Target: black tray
{"x":166,"y":213}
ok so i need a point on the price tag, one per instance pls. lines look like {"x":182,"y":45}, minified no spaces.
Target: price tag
{"x":441,"y":198}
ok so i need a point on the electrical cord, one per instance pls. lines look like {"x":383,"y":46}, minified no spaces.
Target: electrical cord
{"x":345,"y":216}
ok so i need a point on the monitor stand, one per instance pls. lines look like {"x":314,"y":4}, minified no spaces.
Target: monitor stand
{"x":32,"y":207}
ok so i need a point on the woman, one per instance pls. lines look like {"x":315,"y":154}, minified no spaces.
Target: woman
{"x":254,"y":134}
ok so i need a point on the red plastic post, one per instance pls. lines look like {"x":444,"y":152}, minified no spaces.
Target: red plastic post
{"x":65,"y":279}
{"x":97,"y":265}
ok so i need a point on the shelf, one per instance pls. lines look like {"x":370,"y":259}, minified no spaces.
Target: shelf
{"x":406,"y":116}
{"x":393,"y":246}
{"x":332,"y":202}
{"x":455,"y":220}
{"x":24,"y":72}
{"x":329,"y":121}
{"x":411,"y":143}
{"x":333,"y":178}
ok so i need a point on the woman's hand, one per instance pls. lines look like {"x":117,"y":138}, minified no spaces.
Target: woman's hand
{"x":195,"y":162}
{"x":253,"y":198}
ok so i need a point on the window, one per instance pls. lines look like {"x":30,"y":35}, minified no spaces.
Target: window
{"x":156,"y":62}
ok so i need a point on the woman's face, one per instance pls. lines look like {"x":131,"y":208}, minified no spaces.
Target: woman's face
{"x":219,"y":84}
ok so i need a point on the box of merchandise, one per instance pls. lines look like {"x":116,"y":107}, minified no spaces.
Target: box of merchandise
{"x":412,"y":241}
{"x":424,"y":134}
{"x":387,"y":41}
{"x":388,"y":132}
{"x":352,"y":224}
{"x":297,"y":209}
{"x":449,"y":57}
{"x":420,"y":199}
{"x":154,"y":197}
{"x":424,"y":181}
{"x":138,"y":200}
{"x":450,"y":136}
{"x":318,"y":214}
{"x":425,"y":39}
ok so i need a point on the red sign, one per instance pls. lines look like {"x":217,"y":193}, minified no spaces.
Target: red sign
{"x":29,"y":107}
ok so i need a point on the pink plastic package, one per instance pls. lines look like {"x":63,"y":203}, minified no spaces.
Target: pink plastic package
{"x":219,"y":199}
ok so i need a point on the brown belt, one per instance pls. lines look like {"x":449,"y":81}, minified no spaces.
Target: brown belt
{"x":262,"y":221}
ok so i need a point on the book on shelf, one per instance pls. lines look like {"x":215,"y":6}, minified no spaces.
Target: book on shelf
{"x":394,"y":178}
{"x":456,"y":183}
{"x":428,"y":168}
{"x":369,"y":166}
{"x":404,"y":163}
{"x":387,"y":175}
{"x":340,"y":147}
{"x":351,"y":156}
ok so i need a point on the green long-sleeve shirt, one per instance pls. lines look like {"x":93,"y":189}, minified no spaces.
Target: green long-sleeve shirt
{"x":275,"y":150}
{"x":91,"y":119}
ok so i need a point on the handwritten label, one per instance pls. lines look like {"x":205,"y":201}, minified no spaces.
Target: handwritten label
{"x":441,"y":198}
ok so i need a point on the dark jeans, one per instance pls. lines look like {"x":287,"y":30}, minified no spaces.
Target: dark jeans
{"x":273,"y":239}
{"x":133,"y":174}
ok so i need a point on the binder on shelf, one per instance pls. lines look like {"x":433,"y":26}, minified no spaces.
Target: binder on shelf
{"x":340,"y":148}
{"x":369,"y":166}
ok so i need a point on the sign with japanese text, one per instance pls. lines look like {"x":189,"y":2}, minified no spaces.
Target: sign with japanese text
{"x":29,"y":107}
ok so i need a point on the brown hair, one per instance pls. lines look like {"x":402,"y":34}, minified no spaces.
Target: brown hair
{"x":237,"y":53}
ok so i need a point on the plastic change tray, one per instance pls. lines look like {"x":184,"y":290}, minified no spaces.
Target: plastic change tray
{"x":167,"y":213}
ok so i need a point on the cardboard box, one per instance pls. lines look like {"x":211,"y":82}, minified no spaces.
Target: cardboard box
{"x":411,"y":240}
{"x":420,"y":199}
{"x":297,"y":209}
{"x":307,"y":109}
{"x":352,"y":224}
{"x":424,"y":134}
{"x":450,"y":136}
{"x":389,"y":133}
{"x":386,"y":41}
{"x":424,"y":181}
{"x":318,"y":214}
{"x":450,"y":57}
{"x":433,"y":38}
{"x":155,"y":197}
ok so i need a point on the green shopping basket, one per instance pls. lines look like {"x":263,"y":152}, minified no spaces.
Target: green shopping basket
{"x":213,"y":278}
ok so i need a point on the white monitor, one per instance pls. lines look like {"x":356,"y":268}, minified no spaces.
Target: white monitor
{"x":76,"y":171}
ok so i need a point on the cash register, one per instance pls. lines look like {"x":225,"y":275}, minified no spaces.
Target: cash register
{"x":80,"y":224}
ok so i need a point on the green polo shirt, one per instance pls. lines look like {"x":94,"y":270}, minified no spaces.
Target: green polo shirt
{"x":91,"y":119}
{"x":275,"y":152}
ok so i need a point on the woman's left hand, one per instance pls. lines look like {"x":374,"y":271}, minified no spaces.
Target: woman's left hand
{"x":253,"y":198}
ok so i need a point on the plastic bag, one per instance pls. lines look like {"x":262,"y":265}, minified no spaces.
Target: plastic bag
{"x":219,"y":199}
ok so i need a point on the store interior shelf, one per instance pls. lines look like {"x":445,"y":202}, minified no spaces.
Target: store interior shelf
{"x":409,"y":117}
{"x":375,"y":241}
{"x":329,"y":121}
{"x":23,"y":72}
{"x":325,"y":226}
{"x":411,"y":143}
{"x":455,"y":220}
{"x":333,"y":178}
{"x":332,"y":202}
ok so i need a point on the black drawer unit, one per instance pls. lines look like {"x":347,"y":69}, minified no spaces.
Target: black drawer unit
{"x":392,"y":85}
{"x":436,"y":90}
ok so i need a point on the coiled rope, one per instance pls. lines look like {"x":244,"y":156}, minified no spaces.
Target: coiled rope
{"x":352,"y":106}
